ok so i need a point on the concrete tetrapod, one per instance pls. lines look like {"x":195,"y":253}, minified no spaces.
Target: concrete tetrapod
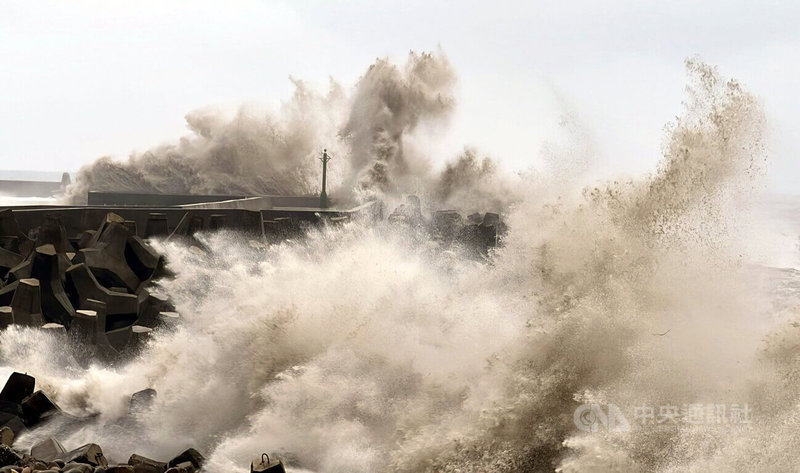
{"x":56,"y":306}
{"x":121,"y":308}
{"x":6,"y":317}
{"x":52,"y":232}
{"x":106,"y":258}
{"x":27,"y":303}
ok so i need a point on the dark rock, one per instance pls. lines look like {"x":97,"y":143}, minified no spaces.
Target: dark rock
{"x":17,"y":388}
{"x":8,"y":456}
{"x":120,"y":469}
{"x":80,"y":468}
{"x":191,"y":455}
{"x":7,"y":436}
{"x":48,"y":449}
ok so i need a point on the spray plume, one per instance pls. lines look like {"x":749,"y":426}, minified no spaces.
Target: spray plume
{"x":358,"y":349}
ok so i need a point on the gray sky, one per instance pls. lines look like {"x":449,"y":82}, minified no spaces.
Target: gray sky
{"x":81,"y":79}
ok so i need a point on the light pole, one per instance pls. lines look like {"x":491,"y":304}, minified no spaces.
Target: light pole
{"x":323,"y":197}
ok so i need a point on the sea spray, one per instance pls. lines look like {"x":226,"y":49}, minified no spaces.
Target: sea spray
{"x":255,"y":152}
{"x":369,"y":348}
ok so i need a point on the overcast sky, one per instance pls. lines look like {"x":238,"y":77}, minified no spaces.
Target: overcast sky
{"x":81,"y":79}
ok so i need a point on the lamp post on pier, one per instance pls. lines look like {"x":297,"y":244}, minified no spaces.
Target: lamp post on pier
{"x":323,"y":196}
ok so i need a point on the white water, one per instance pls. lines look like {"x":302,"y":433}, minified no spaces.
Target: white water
{"x":366,"y":348}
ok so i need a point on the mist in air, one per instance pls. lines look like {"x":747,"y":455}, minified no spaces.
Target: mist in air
{"x":366,"y":347}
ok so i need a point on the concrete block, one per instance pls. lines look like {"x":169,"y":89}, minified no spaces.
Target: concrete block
{"x":191,"y":456}
{"x":120,"y":338}
{"x":217,"y":222}
{"x":57,"y":330}
{"x":8,"y":260}
{"x":141,"y":258}
{"x":7,"y":293}
{"x":27,"y":303}
{"x":56,"y":306}
{"x":121,"y":308}
{"x":156,"y":225}
{"x":265,"y":464}
{"x":142,"y":400}
{"x":52,"y":232}
{"x":13,"y":238}
{"x":86,"y":239}
{"x":20,"y":271}
{"x":142,"y":464}
{"x":139,"y":336}
{"x":131,"y":226}
{"x":151,"y":304}
{"x":101,"y":342}
{"x":170,"y":319}
{"x":6,"y":317}
{"x":84,"y":327}
{"x":47,"y":449}
{"x":38,"y":407}
{"x":106,"y":258}
{"x":17,"y":388}
{"x":90,"y":454}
